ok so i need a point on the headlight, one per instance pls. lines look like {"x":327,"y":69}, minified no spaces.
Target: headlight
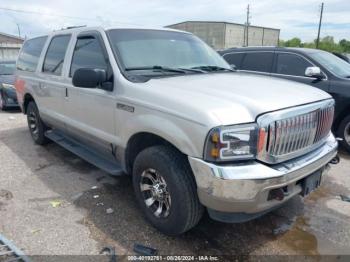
{"x":8,"y":86}
{"x":238,"y":142}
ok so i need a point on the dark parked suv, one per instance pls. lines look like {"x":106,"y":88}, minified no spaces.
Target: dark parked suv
{"x":8,"y":97}
{"x":310,"y":66}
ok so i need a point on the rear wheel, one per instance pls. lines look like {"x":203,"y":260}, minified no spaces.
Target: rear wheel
{"x":344,"y":133}
{"x":36,"y":126}
{"x":166,"y":190}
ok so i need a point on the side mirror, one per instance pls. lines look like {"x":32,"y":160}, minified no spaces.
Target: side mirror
{"x":89,"y":77}
{"x":313,"y":71}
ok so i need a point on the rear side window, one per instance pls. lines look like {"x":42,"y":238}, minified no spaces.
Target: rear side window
{"x":55,"y":55}
{"x":259,"y":61}
{"x":88,"y":53}
{"x":291,"y":64}
{"x":234,"y":59}
{"x":29,"y":56}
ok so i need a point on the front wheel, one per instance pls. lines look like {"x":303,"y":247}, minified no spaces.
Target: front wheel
{"x":36,"y":126}
{"x":165,"y":189}
{"x":344,"y":133}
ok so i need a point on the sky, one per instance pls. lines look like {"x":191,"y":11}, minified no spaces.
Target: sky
{"x":295,"y":18}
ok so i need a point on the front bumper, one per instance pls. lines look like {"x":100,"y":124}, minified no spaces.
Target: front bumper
{"x":244,"y":188}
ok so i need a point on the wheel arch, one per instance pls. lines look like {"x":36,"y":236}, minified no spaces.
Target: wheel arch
{"x":344,"y":113}
{"x":26,"y":99}
{"x":140,"y":141}
{"x":152,"y":129}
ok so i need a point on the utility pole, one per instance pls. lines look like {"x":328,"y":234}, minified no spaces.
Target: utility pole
{"x":19,"y":30}
{"x":247,"y":23}
{"x":319,"y":27}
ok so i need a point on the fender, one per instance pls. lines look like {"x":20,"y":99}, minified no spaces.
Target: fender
{"x":170,"y":129}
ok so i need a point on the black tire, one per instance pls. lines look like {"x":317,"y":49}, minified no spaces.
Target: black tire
{"x":185,"y":209}
{"x":2,"y":102}
{"x":344,"y":133}
{"x":36,"y":126}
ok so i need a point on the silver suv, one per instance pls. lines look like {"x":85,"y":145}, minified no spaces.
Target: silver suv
{"x":163,"y":107}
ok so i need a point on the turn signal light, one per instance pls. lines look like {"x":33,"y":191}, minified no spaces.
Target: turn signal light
{"x":261,"y":139}
{"x":214,"y":152}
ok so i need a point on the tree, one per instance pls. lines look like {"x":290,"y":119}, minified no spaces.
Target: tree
{"x":294,"y":42}
{"x":327,"y":43}
{"x":345,"y":45}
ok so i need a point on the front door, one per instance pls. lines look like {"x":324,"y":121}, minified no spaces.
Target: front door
{"x":93,"y":119}
{"x":292,"y":67}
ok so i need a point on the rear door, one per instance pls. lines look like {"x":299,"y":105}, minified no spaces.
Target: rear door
{"x":292,"y":66}
{"x":52,"y":86}
{"x":258,"y":62}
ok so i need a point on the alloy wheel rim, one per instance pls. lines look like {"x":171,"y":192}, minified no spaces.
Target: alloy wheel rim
{"x":347,"y":133}
{"x":155,"y":193}
{"x":33,"y":124}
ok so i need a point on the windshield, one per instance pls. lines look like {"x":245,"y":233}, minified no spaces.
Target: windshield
{"x":7,"y":68}
{"x":333,"y":63}
{"x":159,"y":49}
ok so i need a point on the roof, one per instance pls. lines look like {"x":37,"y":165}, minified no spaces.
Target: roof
{"x":222,"y":22}
{"x":88,"y":28}
{"x":79,"y":29}
{"x":12,"y":36}
{"x":272,"y":48}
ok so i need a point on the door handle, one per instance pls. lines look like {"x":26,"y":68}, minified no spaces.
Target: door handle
{"x":66,"y":92}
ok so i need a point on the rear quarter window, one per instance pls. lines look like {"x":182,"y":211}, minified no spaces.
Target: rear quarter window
{"x":30,"y":54}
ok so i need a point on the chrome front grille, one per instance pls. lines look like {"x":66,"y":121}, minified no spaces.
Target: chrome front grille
{"x":295,"y":133}
{"x":291,"y":135}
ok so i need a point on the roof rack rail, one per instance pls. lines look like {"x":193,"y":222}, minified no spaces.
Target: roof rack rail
{"x":257,"y":46}
{"x":72,"y":27}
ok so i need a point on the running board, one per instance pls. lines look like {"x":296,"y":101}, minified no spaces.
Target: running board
{"x":88,"y":154}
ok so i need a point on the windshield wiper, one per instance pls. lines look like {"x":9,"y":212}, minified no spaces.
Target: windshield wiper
{"x":194,"y":70}
{"x":159,"y":68}
{"x":213,"y":68}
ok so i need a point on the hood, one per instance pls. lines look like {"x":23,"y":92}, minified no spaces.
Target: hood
{"x":229,"y":98}
{"x":7,"y":79}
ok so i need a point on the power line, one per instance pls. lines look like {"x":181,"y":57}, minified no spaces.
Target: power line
{"x":56,"y":15}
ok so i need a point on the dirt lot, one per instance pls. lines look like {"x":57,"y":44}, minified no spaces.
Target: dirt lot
{"x":49,"y":205}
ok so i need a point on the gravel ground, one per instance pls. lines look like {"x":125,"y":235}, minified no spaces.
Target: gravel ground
{"x":52,"y":202}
